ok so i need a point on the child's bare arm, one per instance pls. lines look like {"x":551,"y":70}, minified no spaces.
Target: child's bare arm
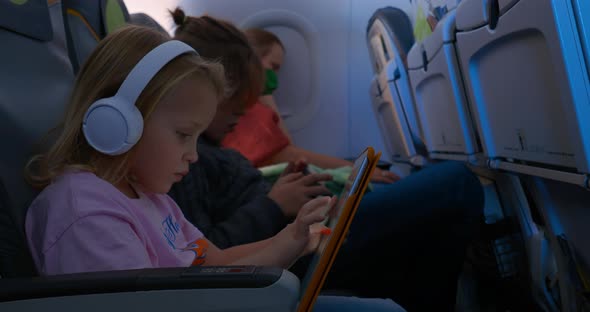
{"x":280,"y":250}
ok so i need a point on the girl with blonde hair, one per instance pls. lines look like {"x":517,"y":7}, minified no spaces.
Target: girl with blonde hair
{"x":130,"y":131}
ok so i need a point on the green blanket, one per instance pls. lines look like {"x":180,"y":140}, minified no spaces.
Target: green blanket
{"x":339,"y":175}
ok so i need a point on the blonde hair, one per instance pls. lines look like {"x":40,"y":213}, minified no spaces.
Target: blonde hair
{"x":100,"y":77}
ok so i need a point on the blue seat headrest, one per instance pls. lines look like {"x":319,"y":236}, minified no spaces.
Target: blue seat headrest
{"x":27,"y":17}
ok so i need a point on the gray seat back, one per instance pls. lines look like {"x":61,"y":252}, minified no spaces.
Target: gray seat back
{"x":441,"y":101}
{"x":395,"y":43}
{"x":389,"y":38}
{"x":146,"y":20}
{"x":36,"y":78}
{"x":527,"y":83}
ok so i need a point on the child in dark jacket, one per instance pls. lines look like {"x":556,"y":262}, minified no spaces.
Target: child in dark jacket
{"x":408,"y":239}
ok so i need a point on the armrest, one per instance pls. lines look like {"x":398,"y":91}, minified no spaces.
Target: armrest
{"x":198,"y":288}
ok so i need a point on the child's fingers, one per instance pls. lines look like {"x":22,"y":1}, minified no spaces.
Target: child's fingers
{"x":319,"y":228}
{"x":319,"y":190}
{"x":313,"y":244}
{"x":315,"y":204}
{"x":315,"y":210}
{"x":394,"y":177}
{"x":289,"y":169}
{"x":382,"y":176}
{"x":316,"y":232}
{"x":315,"y":178}
{"x":290,"y":177}
{"x":314,"y":217}
{"x":300,"y":165}
{"x":333,"y":201}
{"x":333,"y":212}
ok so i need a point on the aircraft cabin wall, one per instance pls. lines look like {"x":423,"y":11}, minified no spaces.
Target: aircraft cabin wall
{"x":326,"y":75}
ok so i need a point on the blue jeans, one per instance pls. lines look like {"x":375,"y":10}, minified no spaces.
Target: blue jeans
{"x":408,"y":240}
{"x":354,"y":304}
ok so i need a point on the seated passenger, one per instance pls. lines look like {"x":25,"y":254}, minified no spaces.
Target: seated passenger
{"x":261,"y":134}
{"x":408,"y":239}
{"x":104,"y":205}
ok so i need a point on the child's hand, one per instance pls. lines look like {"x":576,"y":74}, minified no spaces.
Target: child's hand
{"x":303,"y":235}
{"x":313,"y":212}
{"x":308,"y":227}
{"x":293,"y":191}
{"x":295,"y":167}
{"x":316,"y":232}
{"x":383,"y":176}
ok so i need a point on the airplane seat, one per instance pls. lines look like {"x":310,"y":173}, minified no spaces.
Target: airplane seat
{"x":146,"y":20}
{"x":398,"y":25}
{"x":15,"y":259}
{"x":88,"y":22}
{"x":563,"y":209}
{"x":36,"y":79}
{"x":527,"y":85}
{"x":440,"y":98}
{"x":389,"y":39}
{"x":498,"y":259}
{"x":31,"y":56}
{"x":524,"y":255}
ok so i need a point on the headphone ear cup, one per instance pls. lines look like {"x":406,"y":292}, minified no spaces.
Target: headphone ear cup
{"x":112,"y":127}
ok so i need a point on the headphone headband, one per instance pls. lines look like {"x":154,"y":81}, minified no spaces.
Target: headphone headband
{"x":149,"y":66}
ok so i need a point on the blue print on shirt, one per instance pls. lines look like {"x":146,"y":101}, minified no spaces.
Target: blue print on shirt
{"x":170,"y":229}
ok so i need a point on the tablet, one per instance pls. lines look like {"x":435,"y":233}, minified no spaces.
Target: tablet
{"x":339,"y":222}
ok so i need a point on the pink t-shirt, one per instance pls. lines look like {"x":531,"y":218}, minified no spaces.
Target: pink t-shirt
{"x":81,"y":223}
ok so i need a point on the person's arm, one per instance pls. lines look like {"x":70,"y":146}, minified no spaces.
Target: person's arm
{"x":282,"y":249}
{"x":267,"y":214}
{"x":256,"y":220}
{"x":293,"y":153}
{"x":226,"y":198}
{"x":269,"y":101}
{"x":274,"y":251}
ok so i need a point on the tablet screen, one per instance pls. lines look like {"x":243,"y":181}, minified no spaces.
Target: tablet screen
{"x":350,"y":187}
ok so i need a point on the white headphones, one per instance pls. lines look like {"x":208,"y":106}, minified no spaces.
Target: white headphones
{"x":113,"y":125}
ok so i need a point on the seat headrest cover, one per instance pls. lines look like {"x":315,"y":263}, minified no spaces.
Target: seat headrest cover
{"x":27,"y":17}
{"x":115,"y":15}
{"x":90,"y":12}
{"x":143,"y":19}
